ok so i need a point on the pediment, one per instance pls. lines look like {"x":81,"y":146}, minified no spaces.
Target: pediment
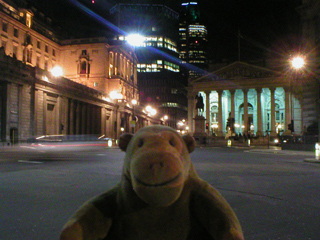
{"x":238,"y":70}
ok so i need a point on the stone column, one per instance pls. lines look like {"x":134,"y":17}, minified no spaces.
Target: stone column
{"x":245,"y":110}
{"x":273,"y":112}
{"x":287,"y":111}
{"x":208,"y":111}
{"x":232,"y":92}
{"x":72,"y":117}
{"x":191,"y":107}
{"x":259,"y":113}
{"x":220,"y":133}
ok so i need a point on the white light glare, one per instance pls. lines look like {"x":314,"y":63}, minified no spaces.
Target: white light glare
{"x":297,"y":62}
{"x":135,"y":40}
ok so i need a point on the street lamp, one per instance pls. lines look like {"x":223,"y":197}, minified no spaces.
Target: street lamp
{"x":297,"y":63}
{"x":134,"y":120}
{"x":151,"y":111}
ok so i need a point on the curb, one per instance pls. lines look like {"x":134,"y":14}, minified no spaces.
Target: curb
{"x":311,"y":160}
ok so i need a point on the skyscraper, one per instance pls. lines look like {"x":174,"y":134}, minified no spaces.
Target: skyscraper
{"x":192,"y":39}
{"x":159,"y":79}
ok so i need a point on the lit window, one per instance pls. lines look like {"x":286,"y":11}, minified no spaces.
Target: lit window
{"x":28,"y":20}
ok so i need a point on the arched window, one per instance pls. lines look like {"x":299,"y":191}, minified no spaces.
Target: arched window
{"x":83,"y":67}
{"x":84,"y":63}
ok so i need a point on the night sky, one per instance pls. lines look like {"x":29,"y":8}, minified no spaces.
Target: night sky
{"x":269,"y":26}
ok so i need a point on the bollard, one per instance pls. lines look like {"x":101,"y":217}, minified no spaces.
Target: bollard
{"x":248,"y":143}
{"x":110,"y":143}
{"x":229,"y":143}
{"x":317,"y":151}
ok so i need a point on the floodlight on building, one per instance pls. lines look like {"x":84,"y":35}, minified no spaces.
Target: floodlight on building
{"x":135,"y":40}
{"x":56,"y":71}
{"x":115,"y":95}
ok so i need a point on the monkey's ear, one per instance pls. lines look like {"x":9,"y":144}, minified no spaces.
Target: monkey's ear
{"x":124,"y":141}
{"x":190,"y":142}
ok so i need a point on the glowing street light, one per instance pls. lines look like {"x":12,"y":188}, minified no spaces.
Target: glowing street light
{"x":151,"y":111}
{"x":134,"y":102}
{"x":56,"y":71}
{"x":135,"y":40}
{"x":297,"y":62}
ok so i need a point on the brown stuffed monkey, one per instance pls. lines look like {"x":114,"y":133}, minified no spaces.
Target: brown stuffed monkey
{"x":160,"y":196}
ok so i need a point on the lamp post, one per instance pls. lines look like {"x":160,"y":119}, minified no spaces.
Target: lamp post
{"x":297,"y":63}
{"x":134,"y":40}
{"x":134,"y":120}
{"x":116,"y":96}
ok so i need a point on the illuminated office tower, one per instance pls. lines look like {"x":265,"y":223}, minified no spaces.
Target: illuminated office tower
{"x":159,"y":78}
{"x":192,"y":39}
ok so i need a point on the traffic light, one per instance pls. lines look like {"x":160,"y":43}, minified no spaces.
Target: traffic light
{"x":291,"y":126}
{"x":207,"y":125}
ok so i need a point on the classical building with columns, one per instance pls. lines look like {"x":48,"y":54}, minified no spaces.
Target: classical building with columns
{"x":260,"y":100}
{"x":93,"y":96}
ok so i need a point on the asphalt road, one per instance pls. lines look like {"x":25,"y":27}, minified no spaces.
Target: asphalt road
{"x":276,"y":196}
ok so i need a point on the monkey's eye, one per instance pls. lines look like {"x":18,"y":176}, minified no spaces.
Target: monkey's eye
{"x":172,"y":143}
{"x":140,"y":143}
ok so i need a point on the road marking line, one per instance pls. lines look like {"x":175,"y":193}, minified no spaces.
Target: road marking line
{"x":27,"y":161}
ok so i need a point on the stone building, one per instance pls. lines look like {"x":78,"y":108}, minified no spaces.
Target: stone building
{"x":93,"y":97}
{"x":259,"y":100}
{"x":264,"y":100}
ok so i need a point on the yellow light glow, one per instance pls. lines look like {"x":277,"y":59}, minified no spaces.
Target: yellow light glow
{"x":57,"y":71}
{"x":148,"y":108}
{"x":115,"y":95}
{"x":153,"y":112}
{"x":134,"y":102}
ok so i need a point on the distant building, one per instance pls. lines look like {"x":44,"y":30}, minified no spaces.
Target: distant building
{"x":159,"y":75}
{"x":193,"y":40}
{"x":310,"y":18}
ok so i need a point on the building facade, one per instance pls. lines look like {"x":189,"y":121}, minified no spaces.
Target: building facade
{"x":193,"y":40}
{"x":310,"y":18}
{"x":261,"y":101}
{"x":93,"y":97}
{"x":161,"y":84}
